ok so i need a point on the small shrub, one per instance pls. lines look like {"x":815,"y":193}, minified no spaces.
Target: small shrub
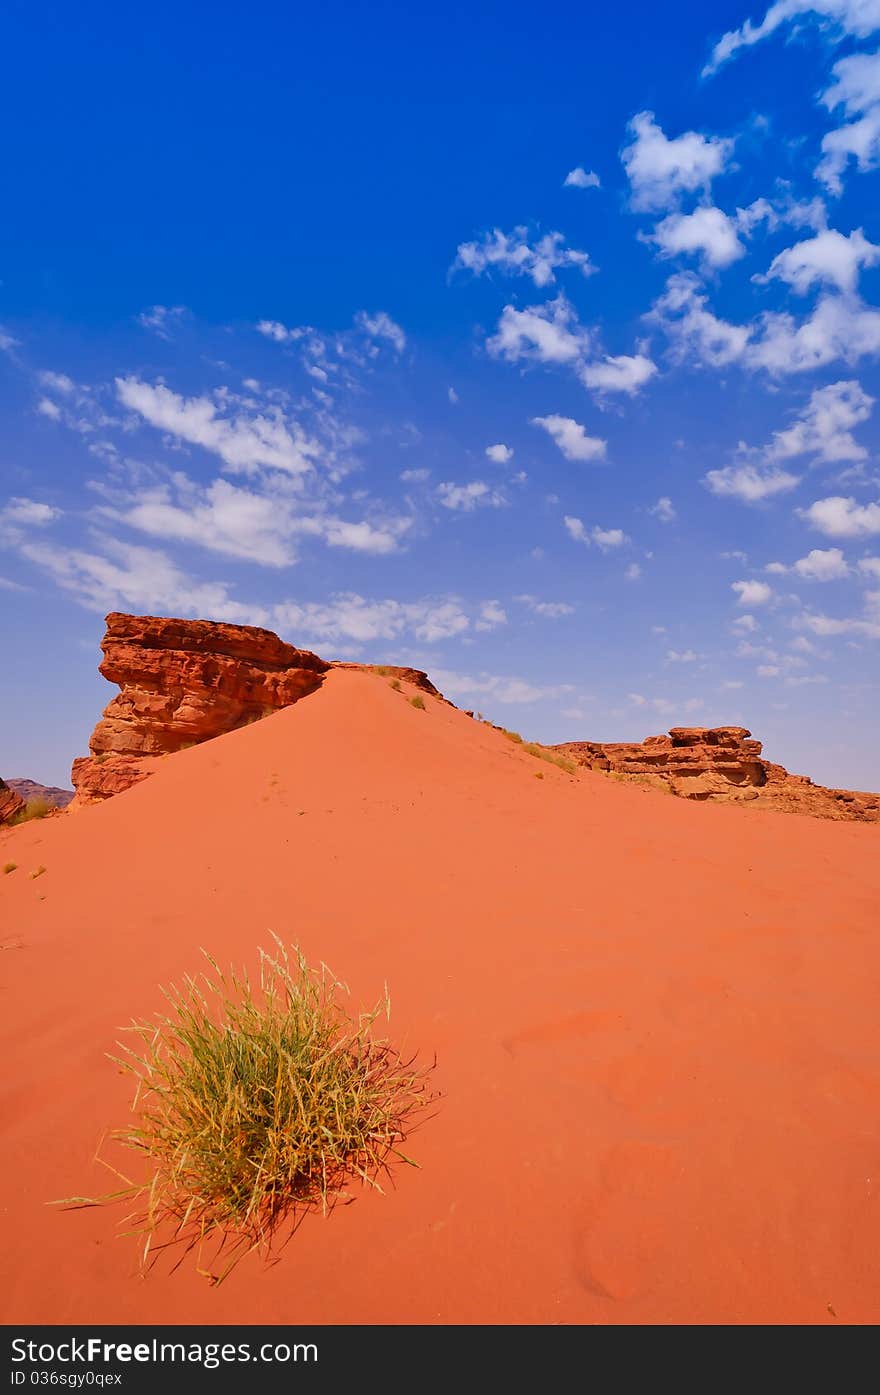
{"x":9,"y":867}
{"x":383,"y":670}
{"x":37,"y":872}
{"x":395,"y":684}
{"x":541,"y":753}
{"x":255,"y":1107}
{"x":511,"y":735}
{"x":36,"y":808}
{"x":418,"y":702}
{"x":539,"y":774}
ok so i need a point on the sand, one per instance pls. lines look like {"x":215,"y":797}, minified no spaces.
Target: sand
{"x":655,"y":1025}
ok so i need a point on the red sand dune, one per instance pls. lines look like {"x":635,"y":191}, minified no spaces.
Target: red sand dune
{"x":656,"y":1026}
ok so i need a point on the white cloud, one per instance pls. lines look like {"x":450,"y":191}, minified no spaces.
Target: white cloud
{"x":633,"y":572}
{"x":381,"y":326}
{"x":47,"y":408}
{"x":347,"y":616}
{"x":824,"y":427}
{"x":579,"y":178}
{"x":828,"y":259}
{"x":752,"y":592}
{"x":548,"y":333}
{"x":452,"y":395}
{"x":707,"y":231}
{"x":694,"y":331}
{"x":856,"y":87}
{"x":663,"y":510}
{"x":839,"y":327}
{"x":868,"y":625}
{"x":245,"y":441}
{"x":822,"y":565}
{"x":749,"y":483}
{"x":870,"y":566}
{"x":467,"y":497}
{"x":660,"y":169}
{"x":744,"y":624}
{"x":513,"y":254}
{"x":839,"y":517}
{"x":28,"y":513}
{"x":57,"y":382}
{"x":618,"y":373}
{"x":275,"y":330}
{"x":501,"y":689}
{"x":571,"y":438}
{"x":499,"y":454}
{"x":685,"y":656}
{"x":856,"y":17}
{"x":604,"y":538}
{"x":549,"y":610}
{"x":162,"y":319}
{"x":415,"y":476}
{"x":491,"y":614}
{"x":141,"y":579}
{"x":7,"y":340}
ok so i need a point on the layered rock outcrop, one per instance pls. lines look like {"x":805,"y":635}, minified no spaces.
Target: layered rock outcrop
{"x":720,"y":763}
{"x":183,"y":682}
{"x":32,"y":789}
{"x":10,"y":803}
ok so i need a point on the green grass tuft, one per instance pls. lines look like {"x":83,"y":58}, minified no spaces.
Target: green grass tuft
{"x":256,"y":1106}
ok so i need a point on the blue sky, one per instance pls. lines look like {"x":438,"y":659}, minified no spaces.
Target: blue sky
{"x":544,"y":358}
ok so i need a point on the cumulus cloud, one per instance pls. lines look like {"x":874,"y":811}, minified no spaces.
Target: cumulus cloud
{"x":604,"y":538}
{"x":28,"y":513}
{"x":499,"y":454}
{"x":162,"y":319}
{"x":244,"y":440}
{"x":824,"y":427}
{"x":708,"y":232}
{"x":514,"y":255}
{"x":869,"y":566}
{"x":663,"y":510}
{"x":752,"y":592}
{"x":381,"y":326}
{"x":625,"y":373}
{"x":840,"y":517}
{"x":501,"y":689}
{"x":659,"y":169}
{"x":464,"y":498}
{"x":822,"y":565}
{"x":867,"y":625}
{"x":128,"y":577}
{"x":351,"y":618}
{"x":681,"y":656}
{"x":856,"y":17}
{"x":549,"y":333}
{"x":856,"y":87}
{"x":579,"y":178}
{"x":571,"y":438}
{"x":828,"y":259}
{"x":548,"y":610}
{"x":839,"y":327}
{"x":750,"y":483}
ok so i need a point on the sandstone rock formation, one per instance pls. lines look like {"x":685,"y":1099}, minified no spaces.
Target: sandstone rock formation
{"x":32,"y":789}
{"x":720,"y":763}
{"x":415,"y":676}
{"x":183,"y":682}
{"x":10,"y":802}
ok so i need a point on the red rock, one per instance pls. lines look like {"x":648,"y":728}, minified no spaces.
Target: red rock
{"x":10,"y":803}
{"x":416,"y":676}
{"x":183,"y":682}
{"x":100,"y":777}
{"x":720,"y":763}
{"x":32,"y":789}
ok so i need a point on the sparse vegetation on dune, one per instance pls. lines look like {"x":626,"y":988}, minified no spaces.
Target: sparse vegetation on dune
{"x":418,"y":702}
{"x":9,"y":867}
{"x":36,"y":808}
{"x":395,"y":684}
{"x":256,"y":1106}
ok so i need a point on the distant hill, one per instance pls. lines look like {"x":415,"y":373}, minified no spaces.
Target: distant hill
{"x":31,"y":789}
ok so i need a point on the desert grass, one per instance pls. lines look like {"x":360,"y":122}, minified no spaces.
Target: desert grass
{"x":9,"y":867}
{"x":36,"y":808}
{"x":256,"y":1106}
{"x":395,"y":684}
{"x":418,"y":702}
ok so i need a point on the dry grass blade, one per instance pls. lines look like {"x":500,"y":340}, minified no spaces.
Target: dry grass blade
{"x":254,"y":1106}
